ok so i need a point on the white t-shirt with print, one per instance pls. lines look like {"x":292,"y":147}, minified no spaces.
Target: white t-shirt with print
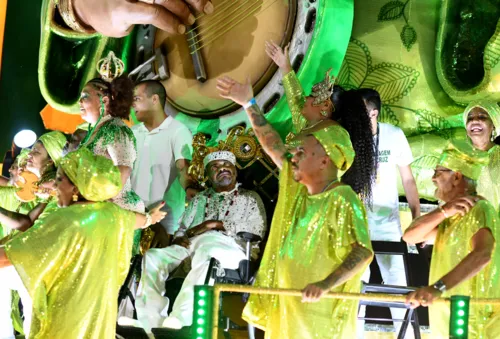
{"x":155,"y":176}
{"x":393,"y":151}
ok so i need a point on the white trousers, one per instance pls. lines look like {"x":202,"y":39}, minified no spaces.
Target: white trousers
{"x":157,"y":264}
{"x":11,"y":281}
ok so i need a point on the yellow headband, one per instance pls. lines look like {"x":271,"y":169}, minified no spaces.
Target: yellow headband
{"x":54,"y":143}
{"x":337,"y":144}
{"x":461,"y":157}
{"x":490,"y":107}
{"x":96,"y":177}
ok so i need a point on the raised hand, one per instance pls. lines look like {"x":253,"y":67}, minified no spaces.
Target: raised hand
{"x":233,"y":90}
{"x":115,"y":18}
{"x":460,"y":206}
{"x":281,"y":58}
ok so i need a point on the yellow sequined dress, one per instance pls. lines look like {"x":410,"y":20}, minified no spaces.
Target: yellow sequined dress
{"x":488,"y":184}
{"x":452,"y":245}
{"x":73,"y":268}
{"x":310,"y":236}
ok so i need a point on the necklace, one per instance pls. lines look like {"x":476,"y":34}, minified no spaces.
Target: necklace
{"x":231,"y":203}
{"x":316,"y":123}
{"x":330,"y":184}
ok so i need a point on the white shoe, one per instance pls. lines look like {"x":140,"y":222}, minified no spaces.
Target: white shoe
{"x":126,"y":321}
{"x":173,"y":323}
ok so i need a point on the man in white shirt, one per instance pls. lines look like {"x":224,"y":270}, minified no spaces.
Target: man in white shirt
{"x":163,"y":157}
{"x":394,"y":155}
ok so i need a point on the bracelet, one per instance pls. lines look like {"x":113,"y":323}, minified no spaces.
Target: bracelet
{"x":250,"y":103}
{"x":69,"y":16}
{"x":149,"y":220}
{"x":444,"y":212}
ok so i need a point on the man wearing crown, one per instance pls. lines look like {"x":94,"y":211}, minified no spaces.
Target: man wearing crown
{"x":465,"y":260}
{"x":208,"y":228}
{"x":319,"y":235}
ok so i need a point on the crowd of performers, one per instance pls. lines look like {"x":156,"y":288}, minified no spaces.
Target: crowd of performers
{"x":67,"y":254}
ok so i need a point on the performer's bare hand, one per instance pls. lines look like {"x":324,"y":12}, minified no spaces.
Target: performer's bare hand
{"x":182,"y":241}
{"x":460,"y":205}
{"x":161,"y":239}
{"x":116,"y":18}
{"x":422,"y":297}
{"x":233,"y":90}
{"x":157,"y":214}
{"x":313,"y":292}
{"x":281,"y":58}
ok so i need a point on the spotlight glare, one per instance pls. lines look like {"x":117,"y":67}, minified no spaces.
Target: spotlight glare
{"x":24,"y":138}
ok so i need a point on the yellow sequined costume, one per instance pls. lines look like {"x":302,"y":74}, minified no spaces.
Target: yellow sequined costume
{"x":452,"y":244}
{"x":487,"y":185}
{"x":72,"y":266}
{"x":10,"y":202}
{"x":295,"y":97}
{"x":311,"y":235}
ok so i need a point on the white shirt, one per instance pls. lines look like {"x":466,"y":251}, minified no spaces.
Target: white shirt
{"x":155,"y":176}
{"x":393,"y":151}
{"x":239,"y":210}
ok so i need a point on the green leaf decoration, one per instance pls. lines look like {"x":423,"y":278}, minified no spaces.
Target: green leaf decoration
{"x":392,"y":81}
{"x":430,"y":121}
{"x":408,"y":36}
{"x":391,"y":11}
{"x":492,"y":50}
{"x":355,"y":66}
{"x":425,"y":161}
{"x":387,"y":115}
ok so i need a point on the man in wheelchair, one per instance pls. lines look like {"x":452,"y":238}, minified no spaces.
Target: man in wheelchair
{"x":208,"y":228}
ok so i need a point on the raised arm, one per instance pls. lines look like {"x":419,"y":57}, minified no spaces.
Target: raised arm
{"x":294,"y":92}
{"x":425,"y":227}
{"x":242,"y":94}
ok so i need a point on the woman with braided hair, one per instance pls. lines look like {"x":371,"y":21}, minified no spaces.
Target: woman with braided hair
{"x":345,"y":107}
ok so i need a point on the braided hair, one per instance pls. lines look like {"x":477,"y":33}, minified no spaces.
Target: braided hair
{"x":120,"y":93}
{"x":350,"y":112}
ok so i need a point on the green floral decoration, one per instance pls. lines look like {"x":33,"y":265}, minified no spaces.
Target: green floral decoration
{"x":394,"y":10}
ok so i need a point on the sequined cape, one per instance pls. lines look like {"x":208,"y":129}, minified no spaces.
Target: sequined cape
{"x":488,"y":184}
{"x":10,"y":202}
{"x":452,"y":245}
{"x":73,"y":263}
{"x":116,"y":141}
{"x":310,"y":236}
{"x":296,"y":99}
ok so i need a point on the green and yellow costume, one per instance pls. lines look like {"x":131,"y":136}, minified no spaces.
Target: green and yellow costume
{"x":311,"y":235}
{"x":453,"y":244}
{"x":487,"y":185}
{"x":69,"y":261}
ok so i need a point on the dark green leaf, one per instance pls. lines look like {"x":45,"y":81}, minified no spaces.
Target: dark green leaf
{"x":391,"y":11}
{"x":408,"y":36}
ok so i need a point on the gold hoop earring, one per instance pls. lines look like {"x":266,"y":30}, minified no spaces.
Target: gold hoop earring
{"x":75,"y":197}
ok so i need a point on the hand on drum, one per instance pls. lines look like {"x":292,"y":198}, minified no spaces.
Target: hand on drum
{"x":116,"y":18}
{"x":233,"y":90}
{"x":281,"y":58}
